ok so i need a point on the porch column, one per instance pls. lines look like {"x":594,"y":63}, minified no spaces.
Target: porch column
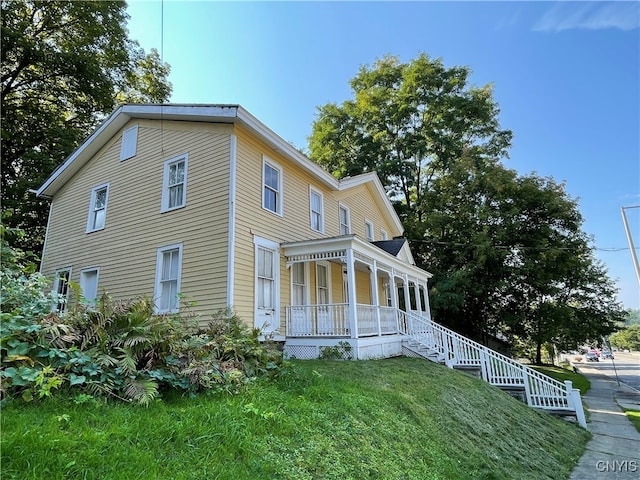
{"x":351,"y":282}
{"x":394,"y":289}
{"x":407,"y":297}
{"x":416,"y":293}
{"x":426,"y":301}
{"x":374,"y":294}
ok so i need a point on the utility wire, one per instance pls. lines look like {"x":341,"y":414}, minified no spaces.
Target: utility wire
{"x":509,"y":247}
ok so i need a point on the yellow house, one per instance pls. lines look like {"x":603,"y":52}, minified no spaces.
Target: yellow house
{"x":206,"y":203}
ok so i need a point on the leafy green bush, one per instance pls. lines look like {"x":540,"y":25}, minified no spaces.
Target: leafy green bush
{"x":122,"y":349}
{"x":342,"y":351}
{"x":118,"y":349}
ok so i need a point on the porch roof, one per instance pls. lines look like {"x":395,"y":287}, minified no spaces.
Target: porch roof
{"x":334,"y":248}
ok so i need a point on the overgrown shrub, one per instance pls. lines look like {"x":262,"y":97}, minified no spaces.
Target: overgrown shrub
{"x":118,"y":349}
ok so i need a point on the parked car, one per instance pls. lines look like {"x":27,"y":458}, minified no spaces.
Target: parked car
{"x":607,"y":355}
{"x":592,"y":357}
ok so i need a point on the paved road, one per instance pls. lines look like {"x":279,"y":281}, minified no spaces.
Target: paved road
{"x":627,"y":366}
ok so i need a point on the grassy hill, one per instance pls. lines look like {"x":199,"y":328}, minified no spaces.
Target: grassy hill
{"x":401,"y":418}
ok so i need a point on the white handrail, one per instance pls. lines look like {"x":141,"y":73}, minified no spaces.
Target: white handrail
{"x":540,"y":390}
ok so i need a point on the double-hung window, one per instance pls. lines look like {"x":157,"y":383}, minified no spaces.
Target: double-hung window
{"x":98,"y":208}
{"x":61,"y":289}
{"x":271,"y":186}
{"x":174,"y":183}
{"x":345,"y":227}
{"x":168,"y":276}
{"x":298,"y":282}
{"x":316,"y":210}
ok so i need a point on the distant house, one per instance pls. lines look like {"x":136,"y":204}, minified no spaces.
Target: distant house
{"x":206,"y":203}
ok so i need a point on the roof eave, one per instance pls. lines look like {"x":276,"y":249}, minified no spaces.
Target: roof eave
{"x":196,"y":113}
{"x":372,"y":177}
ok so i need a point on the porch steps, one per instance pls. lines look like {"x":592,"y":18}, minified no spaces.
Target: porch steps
{"x":515,"y":391}
{"x":472,"y":370}
{"x":421,"y":350}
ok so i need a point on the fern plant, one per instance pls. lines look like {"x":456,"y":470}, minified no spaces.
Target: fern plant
{"x":118,"y":349}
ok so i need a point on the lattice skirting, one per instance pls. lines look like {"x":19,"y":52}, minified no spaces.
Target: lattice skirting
{"x":410,"y":353}
{"x":301,"y":352}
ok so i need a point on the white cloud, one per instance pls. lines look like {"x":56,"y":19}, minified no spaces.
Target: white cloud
{"x":590,"y":16}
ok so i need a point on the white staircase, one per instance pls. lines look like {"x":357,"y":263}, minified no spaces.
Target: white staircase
{"x":439,"y":344}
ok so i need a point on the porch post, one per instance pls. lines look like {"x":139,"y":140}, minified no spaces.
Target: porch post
{"x":407,"y":297}
{"x":351,"y":282}
{"x":373,"y":276}
{"x":416,"y":292}
{"x":394,"y":289}
{"x":426,"y":301}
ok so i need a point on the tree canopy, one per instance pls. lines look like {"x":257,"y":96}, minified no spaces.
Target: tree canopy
{"x":65,"y":64}
{"x":408,"y":122}
{"x":508,"y":253}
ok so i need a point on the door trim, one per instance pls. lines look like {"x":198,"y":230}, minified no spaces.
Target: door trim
{"x":260,"y":242}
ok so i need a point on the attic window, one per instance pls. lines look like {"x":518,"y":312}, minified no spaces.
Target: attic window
{"x":368,"y":229}
{"x":129,"y":143}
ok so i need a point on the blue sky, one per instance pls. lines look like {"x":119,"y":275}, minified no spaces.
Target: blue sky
{"x":566,"y":76}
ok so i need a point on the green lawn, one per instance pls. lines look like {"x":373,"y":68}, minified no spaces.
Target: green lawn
{"x":634,"y":416}
{"x":561,"y":374}
{"x":386,"y":419}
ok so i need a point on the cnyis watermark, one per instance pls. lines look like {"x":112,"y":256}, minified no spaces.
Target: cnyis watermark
{"x":617,"y":466}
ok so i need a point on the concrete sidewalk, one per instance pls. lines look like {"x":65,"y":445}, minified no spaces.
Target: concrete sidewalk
{"x":614,"y":450}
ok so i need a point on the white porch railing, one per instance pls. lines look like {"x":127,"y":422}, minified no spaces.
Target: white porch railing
{"x":318,"y":320}
{"x":333,"y":320}
{"x":540,"y":391}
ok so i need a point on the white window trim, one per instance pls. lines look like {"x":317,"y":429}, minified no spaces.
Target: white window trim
{"x":384,"y":235}
{"x":129,"y":145}
{"x":83,"y":272}
{"x":327,"y":265}
{"x":269,"y":245}
{"x":165,"y":182}
{"x":346,"y":209}
{"x":158,"y":289}
{"x":368,"y":227}
{"x":92,"y":204}
{"x":56,"y":285}
{"x":280,"y":201}
{"x":319,"y":193}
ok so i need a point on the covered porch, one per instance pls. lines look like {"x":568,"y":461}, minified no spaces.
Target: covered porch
{"x":345,"y":290}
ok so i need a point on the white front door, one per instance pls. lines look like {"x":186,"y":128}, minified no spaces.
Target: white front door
{"x":267,"y":317}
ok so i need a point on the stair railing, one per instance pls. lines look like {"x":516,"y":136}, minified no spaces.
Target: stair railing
{"x":499,"y":370}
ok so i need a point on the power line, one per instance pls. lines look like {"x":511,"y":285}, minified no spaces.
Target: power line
{"x":510,"y":247}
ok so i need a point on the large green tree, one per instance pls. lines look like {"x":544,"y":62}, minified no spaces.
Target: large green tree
{"x":65,"y":64}
{"x":409,"y":122}
{"x":507,"y":251}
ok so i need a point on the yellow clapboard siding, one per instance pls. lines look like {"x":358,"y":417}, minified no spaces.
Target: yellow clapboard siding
{"x":135,"y":226}
{"x":125,"y":250}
